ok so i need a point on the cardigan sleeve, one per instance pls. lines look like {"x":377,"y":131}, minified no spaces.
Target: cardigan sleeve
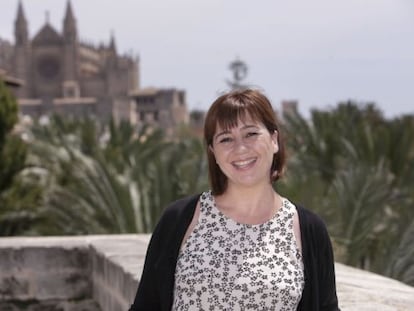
{"x":326,"y":273}
{"x":155,"y":287}
{"x":146,"y":297}
{"x":319,"y":293}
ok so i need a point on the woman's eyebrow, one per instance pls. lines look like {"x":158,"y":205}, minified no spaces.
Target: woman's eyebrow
{"x":222,"y":133}
{"x":244,"y":127}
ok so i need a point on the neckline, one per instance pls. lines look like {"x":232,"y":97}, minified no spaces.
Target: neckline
{"x":241,"y":224}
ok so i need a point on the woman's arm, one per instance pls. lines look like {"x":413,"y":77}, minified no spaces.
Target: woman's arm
{"x":319,"y":293}
{"x":326,"y":268}
{"x":146,"y":297}
{"x":155,"y":289}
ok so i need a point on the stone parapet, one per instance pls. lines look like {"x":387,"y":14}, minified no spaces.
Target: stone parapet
{"x":93,"y":273}
{"x":38,"y":273}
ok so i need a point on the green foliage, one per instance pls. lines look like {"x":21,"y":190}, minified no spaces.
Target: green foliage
{"x":354,"y":167}
{"x":122,"y":184}
{"x":401,"y":264}
{"x":19,"y":193}
{"x":8,"y":112}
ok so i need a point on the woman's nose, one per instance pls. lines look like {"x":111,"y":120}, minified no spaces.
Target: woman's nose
{"x":240,"y":144}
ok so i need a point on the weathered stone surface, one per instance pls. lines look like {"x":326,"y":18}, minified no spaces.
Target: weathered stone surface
{"x":84,"y":305}
{"x":50,"y":305}
{"x":37,"y":272}
{"x":6,"y":306}
{"x":12,"y":286}
{"x":363,"y":290}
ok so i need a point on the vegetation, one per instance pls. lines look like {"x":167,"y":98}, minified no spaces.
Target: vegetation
{"x":20,"y":197}
{"x":111,"y":180}
{"x":349,"y":164}
{"x":354,"y":168}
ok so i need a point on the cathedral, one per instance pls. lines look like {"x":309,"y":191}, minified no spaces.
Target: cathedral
{"x":63,"y":75}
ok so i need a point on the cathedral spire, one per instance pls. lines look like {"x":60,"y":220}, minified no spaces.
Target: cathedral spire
{"x":20,"y":12}
{"x":69,"y":12}
{"x":47,"y":17}
{"x":20,"y":26}
{"x":69,"y":24}
{"x":112,"y":45}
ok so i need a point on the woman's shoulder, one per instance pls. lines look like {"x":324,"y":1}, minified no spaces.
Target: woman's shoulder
{"x":176,"y":216}
{"x":180,"y":207}
{"x":309,"y":220}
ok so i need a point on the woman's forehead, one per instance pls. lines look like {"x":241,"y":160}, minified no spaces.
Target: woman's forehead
{"x":242,"y":120}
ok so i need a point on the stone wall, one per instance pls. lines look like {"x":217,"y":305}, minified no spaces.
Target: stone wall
{"x":45,"y":274}
{"x":92,"y":273}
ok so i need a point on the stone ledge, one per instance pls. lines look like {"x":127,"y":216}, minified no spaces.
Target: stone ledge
{"x":107,"y":268}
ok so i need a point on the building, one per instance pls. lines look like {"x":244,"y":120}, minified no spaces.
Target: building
{"x":11,"y":82}
{"x":165,"y":108}
{"x":289,"y":107}
{"x":65,"y":76}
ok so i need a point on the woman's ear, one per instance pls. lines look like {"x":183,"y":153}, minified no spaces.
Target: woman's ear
{"x":275,"y":142}
{"x":211,"y":149}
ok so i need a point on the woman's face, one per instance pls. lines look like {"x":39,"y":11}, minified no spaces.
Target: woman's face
{"x":245,"y":152}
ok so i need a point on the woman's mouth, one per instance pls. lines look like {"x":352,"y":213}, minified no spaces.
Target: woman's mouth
{"x":244,"y":163}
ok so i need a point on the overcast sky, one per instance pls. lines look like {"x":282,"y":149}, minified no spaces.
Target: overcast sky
{"x":318,"y":52}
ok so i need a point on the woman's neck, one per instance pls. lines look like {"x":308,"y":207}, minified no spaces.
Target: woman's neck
{"x":249,"y":205}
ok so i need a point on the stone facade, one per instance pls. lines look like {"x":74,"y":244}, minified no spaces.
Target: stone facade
{"x":92,"y":273}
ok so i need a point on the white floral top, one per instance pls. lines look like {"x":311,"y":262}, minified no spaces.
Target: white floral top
{"x":225,"y":265}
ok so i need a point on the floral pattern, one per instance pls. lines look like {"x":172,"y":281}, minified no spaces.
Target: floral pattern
{"x":226,"y":265}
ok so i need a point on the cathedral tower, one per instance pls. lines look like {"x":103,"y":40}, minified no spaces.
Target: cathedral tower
{"x":21,"y":50}
{"x":20,"y":27}
{"x":71,"y":49}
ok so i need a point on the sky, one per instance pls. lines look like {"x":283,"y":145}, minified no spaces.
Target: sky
{"x":317,"y":52}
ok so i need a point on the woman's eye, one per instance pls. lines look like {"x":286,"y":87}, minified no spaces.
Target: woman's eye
{"x":251,"y":134}
{"x":225,"y":140}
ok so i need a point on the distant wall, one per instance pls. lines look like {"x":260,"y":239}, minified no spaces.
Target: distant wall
{"x":101,"y":273}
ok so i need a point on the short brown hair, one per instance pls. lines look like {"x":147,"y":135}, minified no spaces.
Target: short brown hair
{"x":225,"y":112}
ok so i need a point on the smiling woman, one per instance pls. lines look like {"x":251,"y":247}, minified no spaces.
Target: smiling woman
{"x":240,"y":245}
{"x":249,"y":114}
{"x":246,"y":149}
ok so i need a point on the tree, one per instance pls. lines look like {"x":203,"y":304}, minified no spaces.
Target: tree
{"x":353,"y":167}
{"x":86,"y":193}
{"x":122,"y":186}
{"x":19,"y":194}
{"x":8,"y":112}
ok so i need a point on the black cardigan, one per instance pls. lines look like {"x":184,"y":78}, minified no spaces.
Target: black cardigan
{"x":155,"y":290}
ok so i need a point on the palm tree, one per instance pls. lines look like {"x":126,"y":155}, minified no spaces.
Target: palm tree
{"x":86,"y":192}
{"x":122,"y":186}
{"x":353,"y":167}
{"x":401,"y":262}
{"x":363,"y":200}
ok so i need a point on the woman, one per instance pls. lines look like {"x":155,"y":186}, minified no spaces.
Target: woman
{"x":241,"y":245}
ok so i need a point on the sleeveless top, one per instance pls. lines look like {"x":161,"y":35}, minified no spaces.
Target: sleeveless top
{"x":226,"y":265}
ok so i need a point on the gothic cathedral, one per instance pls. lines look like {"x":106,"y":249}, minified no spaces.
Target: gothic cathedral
{"x":65,"y":76}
